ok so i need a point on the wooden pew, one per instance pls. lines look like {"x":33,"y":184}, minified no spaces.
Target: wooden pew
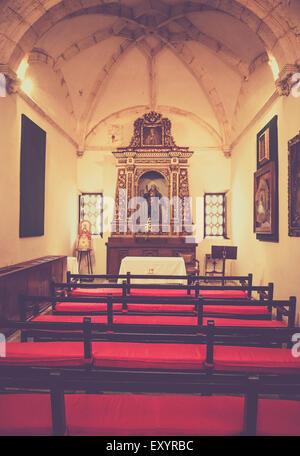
{"x":121,"y":321}
{"x":135,"y":306}
{"x":89,"y":377}
{"x":74,"y":279}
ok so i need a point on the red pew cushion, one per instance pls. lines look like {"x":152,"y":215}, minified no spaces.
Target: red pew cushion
{"x":160,"y":308}
{"x":255,"y":359}
{"x":84,"y":307}
{"x":70,"y":318}
{"x":25,"y":415}
{"x":238,"y":310}
{"x":96,"y":291}
{"x":161,"y":320}
{"x":240,"y":322}
{"x":30,"y":415}
{"x":153,"y":415}
{"x":190,"y":356}
{"x":44,"y":354}
{"x":141,"y":355}
{"x":228,"y":294}
{"x":160,"y":292}
{"x":154,"y":320}
{"x":101,"y":307}
{"x":205,"y":293}
{"x":278,"y":417}
{"x":66,"y":319}
{"x":192,"y":321}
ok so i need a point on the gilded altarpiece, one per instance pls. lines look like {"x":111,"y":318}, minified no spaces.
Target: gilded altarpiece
{"x":151,"y":164}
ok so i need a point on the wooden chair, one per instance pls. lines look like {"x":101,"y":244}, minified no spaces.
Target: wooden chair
{"x":209,"y":264}
{"x":192,"y":265}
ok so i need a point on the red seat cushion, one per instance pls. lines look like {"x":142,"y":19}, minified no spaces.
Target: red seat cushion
{"x":141,"y":355}
{"x":153,"y":415}
{"x":238,"y":310}
{"x":160,"y":292}
{"x":278,"y":417}
{"x":45,"y":354}
{"x":25,"y":415}
{"x":228,"y":294}
{"x":192,"y":356}
{"x":154,"y":320}
{"x":192,"y":321}
{"x":65,"y":319}
{"x":161,"y":307}
{"x":240,"y":322}
{"x":102,"y":307}
{"x":255,"y":359}
{"x":161,"y":320}
{"x":70,"y":318}
{"x":96,"y":291}
{"x":84,"y":307}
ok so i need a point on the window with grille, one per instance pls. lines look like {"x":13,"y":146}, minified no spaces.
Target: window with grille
{"x":215,"y":215}
{"x":91,"y":209}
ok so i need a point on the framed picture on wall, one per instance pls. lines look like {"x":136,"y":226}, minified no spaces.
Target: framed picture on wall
{"x":264,"y":199}
{"x":152,"y":136}
{"x":264,"y":147}
{"x":266,"y":153}
{"x":294,"y":186}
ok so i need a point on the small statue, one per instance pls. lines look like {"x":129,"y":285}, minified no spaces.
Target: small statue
{"x":84,"y":236}
{"x":151,"y":193}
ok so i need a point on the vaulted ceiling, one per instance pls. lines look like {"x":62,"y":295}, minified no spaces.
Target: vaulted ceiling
{"x":95,"y":63}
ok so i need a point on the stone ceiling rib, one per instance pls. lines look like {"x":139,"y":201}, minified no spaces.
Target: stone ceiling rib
{"x":235,"y":62}
{"x":25,"y":22}
{"x":90,"y":40}
{"x":39,"y":56}
{"x":206,"y":83}
{"x":102,"y":77}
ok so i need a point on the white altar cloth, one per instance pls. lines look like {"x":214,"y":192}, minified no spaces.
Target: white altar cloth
{"x":154,"y":266}
{"x":72,"y":265}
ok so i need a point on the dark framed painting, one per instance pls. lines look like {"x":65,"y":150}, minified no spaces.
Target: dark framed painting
{"x":152,"y":136}
{"x":32,"y":179}
{"x":264,"y":147}
{"x":267,"y":152}
{"x":294,"y":186}
{"x":264,"y":205}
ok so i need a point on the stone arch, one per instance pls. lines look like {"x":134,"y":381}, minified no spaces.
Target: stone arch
{"x":25,"y":24}
{"x":141,"y":109}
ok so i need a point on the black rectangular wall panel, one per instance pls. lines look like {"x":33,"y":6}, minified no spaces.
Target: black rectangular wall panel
{"x":32,"y":179}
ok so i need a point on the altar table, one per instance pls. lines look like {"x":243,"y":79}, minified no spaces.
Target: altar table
{"x":153,"y":266}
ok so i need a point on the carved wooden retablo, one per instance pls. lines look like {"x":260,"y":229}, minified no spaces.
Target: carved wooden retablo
{"x":152,"y":165}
